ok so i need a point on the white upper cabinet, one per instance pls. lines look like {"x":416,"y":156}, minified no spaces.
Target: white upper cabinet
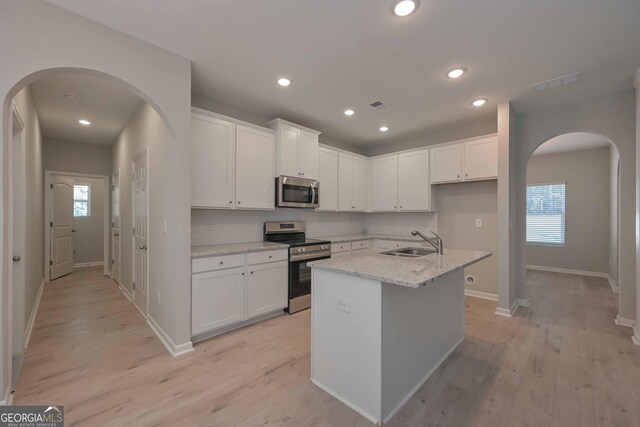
{"x":328,"y":177}
{"x":232,"y":164}
{"x":446,"y":163}
{"x":359,"y":183}
{"x":254,"y":169}
{"x":212,"y":162}
{"x":414,"y":187}
{"x":297,"y":150}
{"x":384,"y":171}
{"x":481,"y":159}
{"x":466,"y":161}
{"x":345,"y":183}
{"x":309,"y":155}
{"x":352,"y":183}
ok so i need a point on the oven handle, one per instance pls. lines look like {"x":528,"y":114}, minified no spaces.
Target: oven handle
{"x":316,"y":256}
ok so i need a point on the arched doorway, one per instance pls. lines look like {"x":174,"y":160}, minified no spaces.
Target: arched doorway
{"x":15,"y":315}
{"x":572,"y":217}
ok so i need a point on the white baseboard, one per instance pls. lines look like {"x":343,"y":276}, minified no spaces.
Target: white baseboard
{"x":125,"y":292}
{"x":500,"y":311}
{"x":7,"y":398}
{"x":174,"y":349}
{"x":614,"y":286}
{"x":607,"y":276}
{"x":32,"y":317}
{"x":424,"y":379}
{"x":88,"y":264}
{"x":483,"y":295}
{"x":356,"y":408}
{"x":636,"y":336}
{"x":621,"y":321}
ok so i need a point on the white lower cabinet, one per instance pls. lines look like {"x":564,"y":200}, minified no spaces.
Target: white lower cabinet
{"x":265,"y":292}
{"x":223,"y":296}
{"x":218,"y":299}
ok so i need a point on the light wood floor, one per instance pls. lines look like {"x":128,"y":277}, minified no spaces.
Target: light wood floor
{"x":561,"y":362}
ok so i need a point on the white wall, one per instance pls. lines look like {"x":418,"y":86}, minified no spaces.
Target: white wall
{"x":79,"y":157}
{"x":33,"y":257}
{"x":586,"y":174}
{"x":614,"y":160}
{"x":38,"y":37}
{"x":212,"y":227}
{"x":400,"y":223}
{"x":614,"y":117}
{"x":88,"y":240}
{"x":459,"y":205}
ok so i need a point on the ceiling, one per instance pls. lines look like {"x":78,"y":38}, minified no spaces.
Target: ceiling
{"x":346,"y":54}
{"x":572,"y":142}
{"x":107,"y":105}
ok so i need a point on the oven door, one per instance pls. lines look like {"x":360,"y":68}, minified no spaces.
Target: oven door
{"x":300,"y":284}
{"x":297,"y":192}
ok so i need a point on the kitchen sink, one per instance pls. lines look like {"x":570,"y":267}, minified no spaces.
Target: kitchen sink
{"x":410,"y":252}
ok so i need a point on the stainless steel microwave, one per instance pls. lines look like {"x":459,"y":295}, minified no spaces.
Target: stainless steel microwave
{"x":292,"y":192}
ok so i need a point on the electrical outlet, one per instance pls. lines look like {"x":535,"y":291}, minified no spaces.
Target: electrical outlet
{"x":478,"y":222}
{"x":158,"y":297}
{"x":164,"y":227}
{"x":343,"y":305}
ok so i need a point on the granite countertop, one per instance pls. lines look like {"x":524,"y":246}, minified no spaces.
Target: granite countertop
{"x":358,"y":237}
{"x":234,"y":248}
{"x":412,"y":272}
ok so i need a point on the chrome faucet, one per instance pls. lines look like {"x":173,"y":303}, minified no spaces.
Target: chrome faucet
{"x":436,"y":241}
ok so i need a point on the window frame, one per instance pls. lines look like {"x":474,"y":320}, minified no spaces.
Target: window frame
{"x":564,"y":215}
{"x":88,"y":201}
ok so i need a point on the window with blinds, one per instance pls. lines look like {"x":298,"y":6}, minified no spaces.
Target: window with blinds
{"x":546,"y":214}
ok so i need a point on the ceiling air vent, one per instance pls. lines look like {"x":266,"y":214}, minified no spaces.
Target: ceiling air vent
{"x":378,"y":105}
{"x":558,"y":81}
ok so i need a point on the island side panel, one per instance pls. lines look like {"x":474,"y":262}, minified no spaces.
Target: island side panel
{"x":346,"y":340}
{"x":420,"y":328}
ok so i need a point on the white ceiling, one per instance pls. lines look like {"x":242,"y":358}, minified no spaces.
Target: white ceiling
{"x":107,"y":105}
{"x":342,"y":54}
{"x":572,"y":142}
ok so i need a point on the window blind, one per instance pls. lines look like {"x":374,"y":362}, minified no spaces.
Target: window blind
{"x":546,"y":214}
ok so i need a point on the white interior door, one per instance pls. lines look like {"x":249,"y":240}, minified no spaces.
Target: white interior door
{"x":140,"y":218}
{"x":115,"y":227}
{"x":19,"y":241}
{"x":61,"y":226}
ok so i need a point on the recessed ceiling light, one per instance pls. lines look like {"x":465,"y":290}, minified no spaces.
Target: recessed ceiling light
{"x":84,"y":122}
{"x":456,"y":72}
{"x":384,"y":128}
{"x":349,"y":112}
{"x":284,"y":82}
{"x":479,"y":102}
{"x":405,"y":7}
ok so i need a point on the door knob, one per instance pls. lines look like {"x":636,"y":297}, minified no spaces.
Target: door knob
{"x":16,"y":258}
{"x":74,"y":230}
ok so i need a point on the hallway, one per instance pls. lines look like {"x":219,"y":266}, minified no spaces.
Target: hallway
{"x":560,"y":362}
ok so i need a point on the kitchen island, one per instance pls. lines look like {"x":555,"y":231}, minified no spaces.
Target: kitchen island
{"x":382,"y":324}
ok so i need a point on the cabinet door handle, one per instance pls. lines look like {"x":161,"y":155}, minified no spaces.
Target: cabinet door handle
{"x":243,"y":273}
{"x":221,"y":262}
{"x":252,"y":272}
{"x":270,"y":256}
{"x":239,"y":202}
{"x":230,"y":202}
{"x":458,"y":176}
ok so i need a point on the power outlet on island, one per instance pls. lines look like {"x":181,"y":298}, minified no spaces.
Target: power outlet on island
{"x":343,"y":305}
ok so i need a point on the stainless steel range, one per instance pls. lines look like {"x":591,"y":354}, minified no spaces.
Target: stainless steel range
{"x":301,"y":251}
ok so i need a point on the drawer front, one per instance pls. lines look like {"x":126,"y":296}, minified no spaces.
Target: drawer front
{"x":362,"y":244}
{"x":199,"y":265}
{"x":340,"y":247}
{"x":268,"y":256}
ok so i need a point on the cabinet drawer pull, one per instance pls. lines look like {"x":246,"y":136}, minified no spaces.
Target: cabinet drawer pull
{"x":252,"y":272}
{"x":270,"y":256}
{"x":221,"y":262}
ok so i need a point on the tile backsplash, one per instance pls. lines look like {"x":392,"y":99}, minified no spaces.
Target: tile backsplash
{"x":212,"y":227}
{"x":400,"y":223}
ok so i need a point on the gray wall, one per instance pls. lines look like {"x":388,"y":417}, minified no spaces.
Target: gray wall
{"x":57,"y":39}
{"x":586,"y":174}
{"x":34,"y":245}
{"x":612,"y":116}
{"x":88,"y":240}
{"x":78,"y":157}
{"x":459,"y":205}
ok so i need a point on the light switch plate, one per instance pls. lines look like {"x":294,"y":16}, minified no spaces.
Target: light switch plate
{"x":478,"y":222}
